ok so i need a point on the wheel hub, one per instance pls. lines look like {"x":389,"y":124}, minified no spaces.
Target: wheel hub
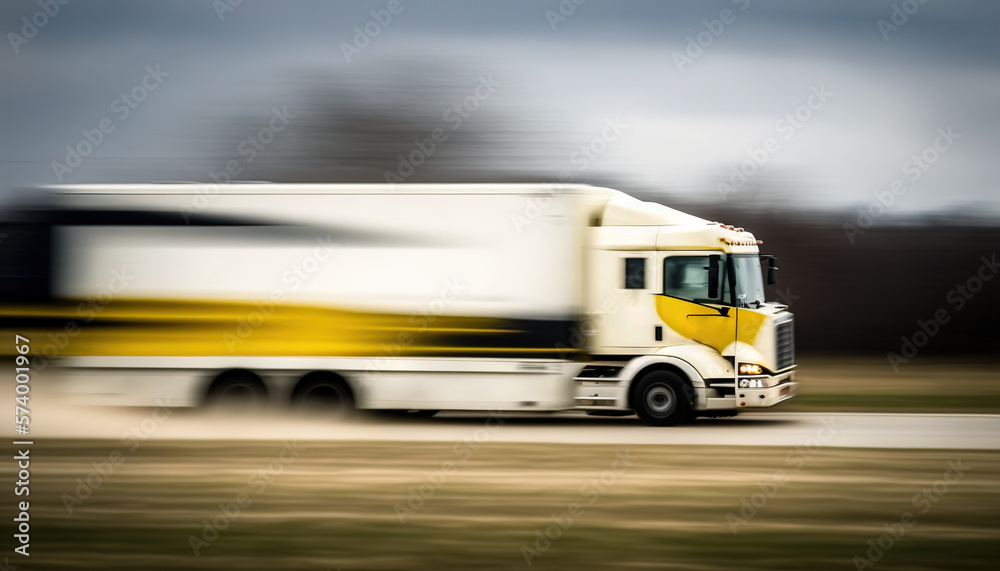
{"x":660,"y":399}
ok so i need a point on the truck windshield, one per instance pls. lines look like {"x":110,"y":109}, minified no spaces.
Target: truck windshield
{"x":749,"y":280}
{"x":685,"y":277}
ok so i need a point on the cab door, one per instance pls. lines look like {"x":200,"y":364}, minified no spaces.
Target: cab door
{"x":695,"y":312}
{"x":623,"y":309}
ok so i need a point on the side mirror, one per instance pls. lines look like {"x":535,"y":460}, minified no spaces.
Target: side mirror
{"x":713,"y":276}
{"x":772,"y":270}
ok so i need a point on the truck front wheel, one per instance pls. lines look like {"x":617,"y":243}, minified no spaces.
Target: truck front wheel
{"x":660,"y":399}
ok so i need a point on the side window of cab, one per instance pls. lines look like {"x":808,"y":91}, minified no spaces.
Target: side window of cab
{"x":635,"y":273}
{"x":686,"y":277}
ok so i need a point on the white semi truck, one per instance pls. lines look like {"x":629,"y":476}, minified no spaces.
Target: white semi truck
{"x":419,"y":297}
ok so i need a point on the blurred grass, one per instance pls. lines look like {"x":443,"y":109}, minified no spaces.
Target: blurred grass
{"x":868,"y":384}
{"x":334,"y":507}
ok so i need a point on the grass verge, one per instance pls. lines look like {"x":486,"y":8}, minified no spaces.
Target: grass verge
{"x":483,"y":505}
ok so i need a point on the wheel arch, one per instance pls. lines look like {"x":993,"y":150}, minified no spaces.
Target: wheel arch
{"x":215,"y":382}
{"x":641,"y":366}
{"x":320,"y":376}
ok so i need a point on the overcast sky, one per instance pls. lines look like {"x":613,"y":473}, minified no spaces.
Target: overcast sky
{"x":692,"y":114}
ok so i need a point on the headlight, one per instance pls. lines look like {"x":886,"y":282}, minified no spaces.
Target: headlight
{"x":748,"y":369}
{"x":751,"y":383}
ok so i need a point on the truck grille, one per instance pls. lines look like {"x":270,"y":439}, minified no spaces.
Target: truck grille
{"x":785,"y":344}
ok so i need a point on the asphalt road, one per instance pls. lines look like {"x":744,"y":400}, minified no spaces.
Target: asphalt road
{"x":864,"y":430}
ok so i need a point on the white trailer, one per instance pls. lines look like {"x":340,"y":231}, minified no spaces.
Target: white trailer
{"x":519,"y":297}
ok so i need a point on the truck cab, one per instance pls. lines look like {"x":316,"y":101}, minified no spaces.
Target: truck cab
{"x":678,"y":324}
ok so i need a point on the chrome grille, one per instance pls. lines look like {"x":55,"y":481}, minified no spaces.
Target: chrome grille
{"x":785,"y":344}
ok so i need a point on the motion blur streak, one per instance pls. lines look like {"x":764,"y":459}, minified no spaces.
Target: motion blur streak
{"x":393,"y":284}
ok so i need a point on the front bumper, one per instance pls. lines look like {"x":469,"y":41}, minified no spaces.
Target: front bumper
{"x":765,"y":397}
{"x":782,"y":387}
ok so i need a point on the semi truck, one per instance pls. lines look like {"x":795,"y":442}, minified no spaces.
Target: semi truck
{"x":416,"y":297}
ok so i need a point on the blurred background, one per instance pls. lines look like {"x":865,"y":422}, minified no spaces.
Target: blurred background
{"x":790,"y":120}
{"x":857,"y":139}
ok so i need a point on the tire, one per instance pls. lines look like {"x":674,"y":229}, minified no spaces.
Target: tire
{"x":237,"y":390}
{"x":660,"y":399}
{"x":323,"y":393}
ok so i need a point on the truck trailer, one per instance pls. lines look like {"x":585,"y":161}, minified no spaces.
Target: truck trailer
{"x":414,"y":297}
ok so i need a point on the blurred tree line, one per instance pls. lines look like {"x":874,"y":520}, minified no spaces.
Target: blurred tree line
{"x":863,"y":297}
{"x":870,"y":295}
{"x":407,"y":122}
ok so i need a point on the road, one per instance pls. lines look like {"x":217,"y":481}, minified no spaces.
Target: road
{"x":863,"y":430}
{"x":797,"y":491}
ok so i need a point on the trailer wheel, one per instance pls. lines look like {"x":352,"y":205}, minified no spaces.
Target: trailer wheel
{"x":659,"y":399}
{"x":240,"y":390}
{"x":323,"y":393}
